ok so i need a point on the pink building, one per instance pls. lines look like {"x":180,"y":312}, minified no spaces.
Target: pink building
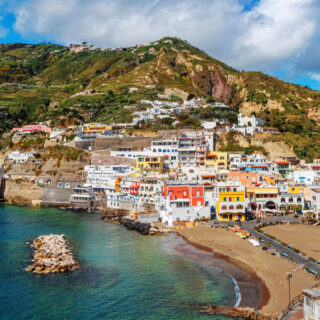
{"x":32,"y":128}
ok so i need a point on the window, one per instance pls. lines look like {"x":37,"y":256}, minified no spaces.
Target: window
{"x":290,"y":199}
{"x":298,"y":199}
{"x":239,"y":206}
{"x":238,"y":198}
{"x":231,"y":207}
{"x":234,"y":189}
{"x":224,"y":199}
{"x":283,"y":200}
{"x":224,"y":208}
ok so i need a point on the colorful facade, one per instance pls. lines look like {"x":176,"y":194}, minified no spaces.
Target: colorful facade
{"x":134,"y":188}
{"x":283,"y":166}
{"x":231,"y":204}
{"x":248,"y":179}
{"x":194,"y":193}
{"x":150,"y":165}
{"x":271,"y":178}
{"x":96,"y":128}
{"x":217,"y":159}
{"x":32,"y":129}
{"x":295,"y":189}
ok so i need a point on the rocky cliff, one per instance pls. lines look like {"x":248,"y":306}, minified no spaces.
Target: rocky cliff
{"x":22,"y":192}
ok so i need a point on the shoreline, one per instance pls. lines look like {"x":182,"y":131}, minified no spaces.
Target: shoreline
{"x":244,"y":267}
{"x":268,"y":270}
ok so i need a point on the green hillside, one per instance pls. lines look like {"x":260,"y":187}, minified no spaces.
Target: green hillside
{"x":39,"y":83}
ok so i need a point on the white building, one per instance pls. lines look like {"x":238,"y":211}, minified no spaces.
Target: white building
{"x":19,"y":157}
{"x":315,"y":201}
{"x":180,"y":210}
{"x":101,"y":177}
{"x":311,"y":304}
{"x":245,"y":121}
{"x":305,"y":177}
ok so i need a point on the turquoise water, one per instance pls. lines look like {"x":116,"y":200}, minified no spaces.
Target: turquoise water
{"x":123,"y":275}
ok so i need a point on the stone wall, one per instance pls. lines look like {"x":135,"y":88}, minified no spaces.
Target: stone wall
{"x":22,"y":192}
{"x":53,"y":195}
{"x":135,"y":143}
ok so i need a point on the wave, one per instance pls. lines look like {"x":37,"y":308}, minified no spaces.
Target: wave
{"x":236,"y":287}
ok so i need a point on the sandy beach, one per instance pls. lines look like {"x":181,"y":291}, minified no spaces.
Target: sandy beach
{"x":306,"y":238}
{"x":270,"y":270}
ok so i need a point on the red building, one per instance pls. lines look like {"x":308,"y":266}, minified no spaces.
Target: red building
{"x":194,"y":193}
{"x":32,"y":129}
{"x":134,"y":188}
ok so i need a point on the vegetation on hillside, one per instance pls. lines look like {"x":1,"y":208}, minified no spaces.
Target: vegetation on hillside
{"x":40,"y":83}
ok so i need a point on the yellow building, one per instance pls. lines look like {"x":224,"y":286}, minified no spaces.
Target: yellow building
{"x":96,"y":128}
{"x":117,"y":184}
{"x":150,"y":165}
{"x":271,"y":178}
{"x":231,"y":203}
{"x":295,"y":189}
{"x":217,"y":159}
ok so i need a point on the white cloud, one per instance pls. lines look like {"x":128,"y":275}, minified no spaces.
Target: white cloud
{"x":271,"y":34}
{"x":315,"y":76}
{"x":3,"y":31}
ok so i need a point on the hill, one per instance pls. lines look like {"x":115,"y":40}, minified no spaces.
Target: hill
{"x":43,"y":82}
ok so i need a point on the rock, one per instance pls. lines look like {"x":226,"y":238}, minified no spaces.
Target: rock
{"x":52,"y":255}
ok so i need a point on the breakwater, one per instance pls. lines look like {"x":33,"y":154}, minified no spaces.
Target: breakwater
{"x":142,"y":228}
{"x":130,"y":224}
{"x":52,"y":255}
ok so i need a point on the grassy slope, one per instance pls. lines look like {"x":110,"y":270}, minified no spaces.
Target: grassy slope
{"x":51,"y":74}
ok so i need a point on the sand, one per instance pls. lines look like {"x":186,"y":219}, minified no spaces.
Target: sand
{"x":270,"y":270}
{"x":306,"y":238}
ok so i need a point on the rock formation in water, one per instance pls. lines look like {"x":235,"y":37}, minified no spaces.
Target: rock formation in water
{"x":52,"y":255}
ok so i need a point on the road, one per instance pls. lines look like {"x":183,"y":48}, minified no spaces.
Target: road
{"x":249,"y":226}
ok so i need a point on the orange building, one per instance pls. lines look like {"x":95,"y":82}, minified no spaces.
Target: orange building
{"x":248,"y":179}
{"x":271,"y":178}
{"x":192,"y":192}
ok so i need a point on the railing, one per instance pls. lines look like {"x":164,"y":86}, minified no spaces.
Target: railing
{"x":293,"y":303}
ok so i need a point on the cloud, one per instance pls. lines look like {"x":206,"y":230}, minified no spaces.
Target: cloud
{"x":267,"y":35}
{"x":3,"y":30}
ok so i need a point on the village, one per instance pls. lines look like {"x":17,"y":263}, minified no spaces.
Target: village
{"x":178,"y":176}
{"x":173,"y":180}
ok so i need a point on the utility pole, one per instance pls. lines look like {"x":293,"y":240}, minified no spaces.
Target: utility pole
{"x":289,"y":277}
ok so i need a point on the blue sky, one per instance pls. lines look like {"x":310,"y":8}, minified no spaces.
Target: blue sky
{"x":278,"y":37}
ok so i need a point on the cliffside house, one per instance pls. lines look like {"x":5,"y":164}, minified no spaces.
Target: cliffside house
{"x":20,"y":157}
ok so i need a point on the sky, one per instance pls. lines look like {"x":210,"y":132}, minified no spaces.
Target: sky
{"x":277,"y":37}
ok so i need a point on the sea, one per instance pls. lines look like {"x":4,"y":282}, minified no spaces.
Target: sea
{"x":122,"y":275}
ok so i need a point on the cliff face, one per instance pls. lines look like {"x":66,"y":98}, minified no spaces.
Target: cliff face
{"x":22,"y":193}
{"x":276,"y":148}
